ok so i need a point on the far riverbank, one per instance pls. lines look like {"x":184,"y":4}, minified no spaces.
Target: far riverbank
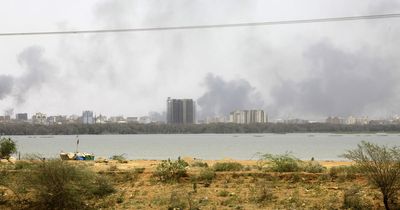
{"x":231,"y":128}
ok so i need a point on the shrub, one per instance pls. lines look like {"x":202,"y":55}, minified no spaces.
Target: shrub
{"x":23,"y":165}
{"x":223,"y":193}
{"x":176,"y":201}
{"x":381,"y":165}
{"x":261,"y":193}
{"x":228,"y":166}
{"x":7,"y":147}
{"x":120,"y":158}
{"x":280,"y":163}
{"x":353,"y":199}
{"x":343,"y":173}
{"x":139,"y":170}
{"x":313,"y":167}
{"x":59,"y":185}
{"x":102,"y":187}
{"x":200,"y":164}
{"x":206,"y":175}
{"x":171,"y":171}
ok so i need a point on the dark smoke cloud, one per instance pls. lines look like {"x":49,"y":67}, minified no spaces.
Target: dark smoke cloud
{"x":9,"y":112}
{"x":6,"y":83}
{"x":37,"y":72}
{"x":341,"y":83}
{"x":222,"y":97}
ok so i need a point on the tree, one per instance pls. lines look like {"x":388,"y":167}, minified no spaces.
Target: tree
{"x":7,"y":147}
{"x":381,"y":165}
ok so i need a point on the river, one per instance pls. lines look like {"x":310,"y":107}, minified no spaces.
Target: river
{"x":321,"y":146}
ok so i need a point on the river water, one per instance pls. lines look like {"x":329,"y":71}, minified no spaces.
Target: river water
{"x":321,"y":146}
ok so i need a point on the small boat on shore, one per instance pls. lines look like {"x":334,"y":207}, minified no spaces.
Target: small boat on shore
{"x":76,"y":156}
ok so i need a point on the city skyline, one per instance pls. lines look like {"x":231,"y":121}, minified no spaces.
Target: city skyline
{"x":308,"y":71}
{"x":236,"y":116}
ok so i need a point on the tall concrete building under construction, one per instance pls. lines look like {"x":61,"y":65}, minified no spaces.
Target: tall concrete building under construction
{"x":181,"y":111}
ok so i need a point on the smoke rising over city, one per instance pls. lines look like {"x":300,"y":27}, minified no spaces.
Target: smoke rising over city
{"x":339,"y":83}
{"x":36,"y":72}
{"x":6,"y":83}
{"x":223,"y":96}
{"x":306,"y":70}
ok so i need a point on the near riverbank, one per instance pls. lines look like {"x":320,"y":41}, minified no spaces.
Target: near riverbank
{"x":209,"y":184}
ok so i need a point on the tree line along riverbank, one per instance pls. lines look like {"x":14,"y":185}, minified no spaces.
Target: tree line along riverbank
{"x":135,"y":128}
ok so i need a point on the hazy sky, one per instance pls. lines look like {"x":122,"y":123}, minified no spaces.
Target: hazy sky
{"x":304,"y":70}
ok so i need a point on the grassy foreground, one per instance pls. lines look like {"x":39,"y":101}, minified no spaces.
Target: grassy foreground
{"x":224,"y":184}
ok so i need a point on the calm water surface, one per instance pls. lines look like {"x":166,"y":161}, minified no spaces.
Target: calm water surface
{"x":204,"y":146}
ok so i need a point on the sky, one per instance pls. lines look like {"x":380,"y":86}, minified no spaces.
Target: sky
{"x":308,"y":71}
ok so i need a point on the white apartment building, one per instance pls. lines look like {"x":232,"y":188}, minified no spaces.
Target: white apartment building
{"x":39,"y":118}
{"x":248,"y":116}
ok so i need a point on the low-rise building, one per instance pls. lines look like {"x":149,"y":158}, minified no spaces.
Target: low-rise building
{"x":132,"y":119}
{"x":39,"y":118}
{"x":335,"y":120}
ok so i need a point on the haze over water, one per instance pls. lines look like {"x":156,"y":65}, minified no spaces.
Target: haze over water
{"x":321,"y":146}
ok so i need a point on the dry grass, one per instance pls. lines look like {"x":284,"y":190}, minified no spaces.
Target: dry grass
{"x":253,"y":189}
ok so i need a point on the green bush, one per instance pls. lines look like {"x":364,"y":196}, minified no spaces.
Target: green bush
{"x":200,"y":164}
{"x":206,"y":175}
{"x":313,"y":167}
{"x":120,"y":158}
{"x":7,"y":147}
{"x":280,"y":163}
{"x":223,"y":193}
{"x":228,"y":166}
{"x":60,"y":185}
{"x":353,"y":199}
{"x":171,"y":171}
{"x":381,"y":166}
{"x":102,"y":186}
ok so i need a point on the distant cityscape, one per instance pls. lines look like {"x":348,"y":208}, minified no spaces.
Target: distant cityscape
{"x":182,"y":112}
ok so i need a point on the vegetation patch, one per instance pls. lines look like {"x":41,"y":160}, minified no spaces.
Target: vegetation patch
{"x":7,"y":147}
{"x":57,"y":184}
{"x":206,"y":175}
{"x":354,"y":199}
{"x":381,"y":165}
{"x":120,"y":158}
{"x":312,"y":167}
{"x":228,"y":166}
{"x":280,"y":163}
{"x":199,"y":164}
{"x":171,"y":171}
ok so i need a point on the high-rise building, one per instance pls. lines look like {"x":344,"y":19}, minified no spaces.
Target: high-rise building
{"x":87,"y":117}
{"x":181,"y":111}
{"x":248,"y":116}
{"x":21,"y":117}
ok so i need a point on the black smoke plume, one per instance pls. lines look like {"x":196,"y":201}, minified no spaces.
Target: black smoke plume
{"x":222,"y":97}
